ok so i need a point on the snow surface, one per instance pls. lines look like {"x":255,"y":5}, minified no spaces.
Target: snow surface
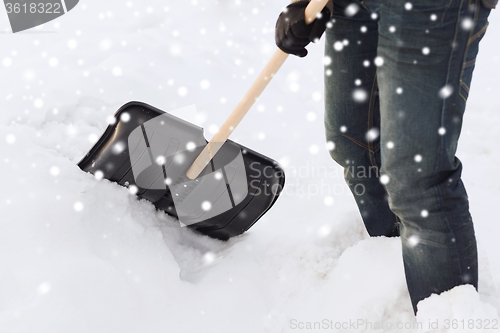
{"x":78,"y":254}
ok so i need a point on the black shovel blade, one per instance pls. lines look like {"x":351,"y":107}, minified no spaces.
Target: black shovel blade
{"x":152,"y":150}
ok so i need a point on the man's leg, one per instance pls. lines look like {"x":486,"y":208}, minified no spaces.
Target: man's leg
{"x":428,"y":52}
{"x":352,"y":115}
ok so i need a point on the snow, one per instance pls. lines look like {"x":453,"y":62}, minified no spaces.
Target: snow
{"x":80,"y":254}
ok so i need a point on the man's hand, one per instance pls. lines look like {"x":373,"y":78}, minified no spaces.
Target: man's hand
{"x":292,"y":32}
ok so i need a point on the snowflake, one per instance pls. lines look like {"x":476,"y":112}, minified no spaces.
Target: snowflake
{"x":314,"y":149}
{"x":311,"y":116}
{"x":360,"y":95}
{"x":206,"y":206}
{"x":324,"y":230}
{"x":7,"y":62}
{"x":385,"y":179}
{"x":208,"y":258}
{"x":117,"y":71}
{"x":38,"y":103}
{"x":161,"y":160}
{"x":446,"y":91}
{"x":379,"y":61}
{"x":182,"y":91}
{"x":330,"y":145}
{"x":78,"y":206}
{"x":118,"y":148}
{"x":125,"y":117}
{"x":205,"y":84}
{"x":54,"y":171}
{"x":72,"y":44}
{"x":190,"y":146}
{"x":467,"y":23}
{"x":44,"y":288}
{"x":351,"y":10}
{"x":413,"y":241}
{"x":10,"y":138}
{"x":372,"y":134}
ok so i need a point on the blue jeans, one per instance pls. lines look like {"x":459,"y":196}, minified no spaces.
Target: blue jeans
{"x":396,"y":90}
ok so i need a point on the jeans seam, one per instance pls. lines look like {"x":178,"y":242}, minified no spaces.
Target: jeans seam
{"x":441,"y":145}
{"x":371,"y":151}
{"x":356,"y":142}
{"x":478,"y":34}
{"x":469,"y":41}
{"x":445,"y":11}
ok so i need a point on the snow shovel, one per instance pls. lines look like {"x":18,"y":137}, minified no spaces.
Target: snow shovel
{"x":168,"y":162}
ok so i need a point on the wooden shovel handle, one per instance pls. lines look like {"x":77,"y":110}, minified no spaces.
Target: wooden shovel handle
{"x":312,"y":10}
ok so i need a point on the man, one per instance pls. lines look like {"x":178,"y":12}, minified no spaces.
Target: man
{"x":395,"y":92}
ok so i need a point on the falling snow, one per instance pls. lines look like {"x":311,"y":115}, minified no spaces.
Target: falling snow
{"x":160,"y":160}
{"x":206,"y":205}
{"x":7,"y":62}
{"x":413,"y":240}
{"x":53,"y":62}
{"x":117,"y":71}
{"x":10,"y":139}
{"x":54,"y":171}
{"x":78,"y":206}
{"x":118,"y":148}
{"x":328,"y":201}
{"x":384,"y":179}
{"x":44,"y":288}
{"x":133,"y":189}
{"x":351,"y":10}
{"x":330,"y":145}
{"x":372,"y":134}
{"x":125,"y":117}
{"x":467,"y":23}
{"x":359,"y":95}
{"x":205,"y":84}
{"x":314,"y":149}
{"x":446,"y":91}
{"x":379,"y":61}
{"x":182,"y":91}
{"x":38,"y":103}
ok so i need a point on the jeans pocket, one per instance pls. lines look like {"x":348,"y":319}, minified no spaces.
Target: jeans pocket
{"x":477,"y":33}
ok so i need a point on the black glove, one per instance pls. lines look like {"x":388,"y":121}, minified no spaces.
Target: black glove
{"x":292,"y":32}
